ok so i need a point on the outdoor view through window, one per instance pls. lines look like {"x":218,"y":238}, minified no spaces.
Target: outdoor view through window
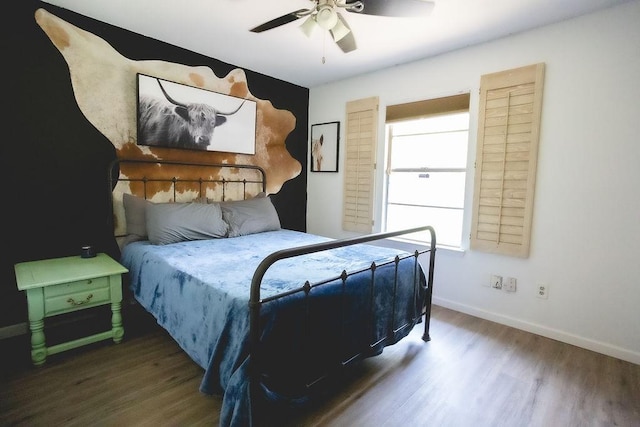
{"x":425,"y":179}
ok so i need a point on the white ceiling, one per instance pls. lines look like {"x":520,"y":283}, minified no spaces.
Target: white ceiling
{"x":220,"y":29}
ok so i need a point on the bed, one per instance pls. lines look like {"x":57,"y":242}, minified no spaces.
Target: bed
{"x":270,"y":314}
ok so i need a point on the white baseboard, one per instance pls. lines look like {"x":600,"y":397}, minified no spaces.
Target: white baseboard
{"x":13,"y":330}
{"x":586,"y":343}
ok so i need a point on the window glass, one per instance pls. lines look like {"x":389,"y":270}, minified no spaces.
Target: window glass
{"x":438,"y":189}
{"x":426,"y":172}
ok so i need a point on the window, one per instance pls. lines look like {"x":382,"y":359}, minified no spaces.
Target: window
{"x":426,"y":162}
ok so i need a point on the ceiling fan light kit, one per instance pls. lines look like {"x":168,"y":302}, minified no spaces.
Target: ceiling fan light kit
{"x":324,"y":14}
{"x":309,"y":26}
{"x":339,"y":30}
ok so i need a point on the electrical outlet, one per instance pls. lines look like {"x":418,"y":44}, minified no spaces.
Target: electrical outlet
{"x":496,"y":281}
{"x":509,"y":284}
{"x":542,"y":291}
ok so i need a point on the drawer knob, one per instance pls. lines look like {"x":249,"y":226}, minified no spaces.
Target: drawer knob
{"x":74,"y":302}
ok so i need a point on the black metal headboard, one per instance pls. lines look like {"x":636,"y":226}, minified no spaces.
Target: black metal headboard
{"x":178,"y":181}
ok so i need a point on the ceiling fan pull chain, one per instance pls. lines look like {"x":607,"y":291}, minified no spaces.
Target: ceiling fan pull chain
{"x":324,"y":47}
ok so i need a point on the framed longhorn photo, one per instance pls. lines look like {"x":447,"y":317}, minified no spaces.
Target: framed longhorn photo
{"x":324,"y":147}
{"x":175,"y":115}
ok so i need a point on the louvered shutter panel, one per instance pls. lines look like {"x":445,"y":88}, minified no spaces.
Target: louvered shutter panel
{"x":360,"y":147}
{"x":508,"y":132}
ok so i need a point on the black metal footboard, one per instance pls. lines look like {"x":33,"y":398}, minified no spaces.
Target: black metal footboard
{"x":257,"y":303}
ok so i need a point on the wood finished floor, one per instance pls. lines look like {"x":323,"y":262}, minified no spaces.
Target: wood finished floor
{"x":473,"y":373}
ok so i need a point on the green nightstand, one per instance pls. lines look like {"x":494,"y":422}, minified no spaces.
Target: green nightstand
{"x":63,"y":285}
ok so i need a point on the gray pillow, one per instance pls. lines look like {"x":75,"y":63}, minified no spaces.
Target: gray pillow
{"x":177,"y":222}
{"x":134,"y":213}
{"x":250,"y":216}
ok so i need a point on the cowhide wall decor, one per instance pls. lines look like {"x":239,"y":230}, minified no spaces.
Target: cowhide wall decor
{"x":104,"y":85}
{"x":58,"y":142}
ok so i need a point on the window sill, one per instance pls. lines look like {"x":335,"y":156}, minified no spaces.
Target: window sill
{"x":411,"y":245}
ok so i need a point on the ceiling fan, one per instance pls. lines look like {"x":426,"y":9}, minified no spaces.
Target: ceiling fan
{"x":325,"y":14}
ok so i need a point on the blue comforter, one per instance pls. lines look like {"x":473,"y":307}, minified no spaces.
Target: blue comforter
{"x":199,"y":292}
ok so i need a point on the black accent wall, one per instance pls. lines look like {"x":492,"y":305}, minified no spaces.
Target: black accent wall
{"x":54,"y":162}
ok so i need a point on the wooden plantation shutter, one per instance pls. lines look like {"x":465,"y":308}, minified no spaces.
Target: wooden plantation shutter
{"x":508,"y":132}
{"x":361,"y":132}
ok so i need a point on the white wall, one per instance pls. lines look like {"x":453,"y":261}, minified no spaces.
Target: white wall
{"x":586,"y":222}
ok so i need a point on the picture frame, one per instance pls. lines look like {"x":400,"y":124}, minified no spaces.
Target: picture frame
{"x":324,"y":147}
{"x":175,"y":115}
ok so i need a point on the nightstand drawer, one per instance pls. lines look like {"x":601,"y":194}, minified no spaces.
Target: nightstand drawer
{"x":76,"y":295}
{"x":78,"y":286}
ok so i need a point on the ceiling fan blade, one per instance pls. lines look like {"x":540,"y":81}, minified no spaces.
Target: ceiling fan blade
{"x":396,"y":8}
{"x":343,"y":35}
{"x":281,"y":20}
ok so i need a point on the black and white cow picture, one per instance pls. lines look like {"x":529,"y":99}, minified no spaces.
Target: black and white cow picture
{"x":169,"y":122}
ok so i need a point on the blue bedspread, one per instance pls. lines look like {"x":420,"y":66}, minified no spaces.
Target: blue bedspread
{"x":199,"y":292}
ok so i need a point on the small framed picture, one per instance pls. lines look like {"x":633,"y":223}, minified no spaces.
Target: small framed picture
{"x":325,"y":138}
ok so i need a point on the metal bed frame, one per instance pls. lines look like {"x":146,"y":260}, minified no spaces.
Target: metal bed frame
{"x":256,"y":302}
